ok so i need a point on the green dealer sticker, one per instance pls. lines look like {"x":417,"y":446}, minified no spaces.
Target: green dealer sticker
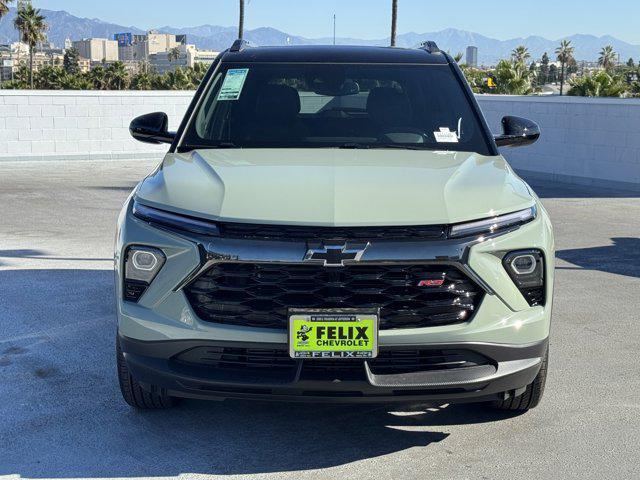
{"x":233,"y":83}
{"x":333,"y":335}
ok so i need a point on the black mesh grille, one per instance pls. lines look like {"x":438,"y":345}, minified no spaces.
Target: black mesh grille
{"x":260,"y":294}
{"x":293,"y":233}
{"x":388,"y":362}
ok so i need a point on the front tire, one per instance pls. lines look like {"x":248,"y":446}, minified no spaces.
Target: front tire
{"x":134,"y":394}
{"x":532,"y":395}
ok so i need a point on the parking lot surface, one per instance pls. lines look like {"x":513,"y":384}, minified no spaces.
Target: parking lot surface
{"x":61,"y":414}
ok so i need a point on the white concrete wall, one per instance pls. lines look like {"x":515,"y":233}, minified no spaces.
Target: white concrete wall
{"x":591,"y":141}
{"x":588,"y":141}
{"x":53,"y":125}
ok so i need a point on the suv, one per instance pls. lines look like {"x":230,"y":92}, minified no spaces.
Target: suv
{"x":334,"y":224}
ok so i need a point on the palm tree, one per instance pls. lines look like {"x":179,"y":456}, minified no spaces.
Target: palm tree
{"x":394,"y":21}
{"x":174,"y":54}
{"x":4,"y":7}
{"x":564,"y":54}
{"x":607,"y":58}
{"x":31,"y":26}
{"x":521,"y":54}
{"x":513,"y":78}
{"x":241,"y":20}
{"x":116,"y":76}
{"x":598,"y":84}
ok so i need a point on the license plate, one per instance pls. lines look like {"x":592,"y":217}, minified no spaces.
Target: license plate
{"x":333,"y":334}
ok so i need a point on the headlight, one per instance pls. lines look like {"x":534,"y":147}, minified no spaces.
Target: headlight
{"x":526,"y":269}
{"x":141,"y":266}
{"x":174,"y":220}
{"x":494,"y":224}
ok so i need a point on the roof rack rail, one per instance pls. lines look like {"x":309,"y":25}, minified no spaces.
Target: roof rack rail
{"x":430,"y":46}
{"x":239,"y":45}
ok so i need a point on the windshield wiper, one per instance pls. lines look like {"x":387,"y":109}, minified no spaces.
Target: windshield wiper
{"x":354,"y":146}
{"x":201,"y":146}
{"x":399,"y":146}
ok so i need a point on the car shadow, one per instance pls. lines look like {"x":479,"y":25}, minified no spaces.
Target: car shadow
{"x":42,"y":255}
{"x":621,"y":258}
{"x":63,"y":415}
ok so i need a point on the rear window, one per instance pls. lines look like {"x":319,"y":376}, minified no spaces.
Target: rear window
{"x":297,"y":105}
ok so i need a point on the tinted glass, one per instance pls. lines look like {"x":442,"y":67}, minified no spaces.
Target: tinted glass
{"x":335,"y":105}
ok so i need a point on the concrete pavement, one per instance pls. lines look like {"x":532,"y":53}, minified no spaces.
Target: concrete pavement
{"x":61,"y":414}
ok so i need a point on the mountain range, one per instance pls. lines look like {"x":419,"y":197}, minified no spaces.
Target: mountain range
{"x":63,"y":25}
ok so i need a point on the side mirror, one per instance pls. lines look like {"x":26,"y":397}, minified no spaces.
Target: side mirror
{"x":152,"y":128}
{"x":517,"y":132}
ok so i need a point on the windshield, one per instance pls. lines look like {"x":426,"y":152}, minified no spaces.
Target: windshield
{"x":297,"y":105}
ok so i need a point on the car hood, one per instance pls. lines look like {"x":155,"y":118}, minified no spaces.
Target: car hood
{"x":333,"y":187}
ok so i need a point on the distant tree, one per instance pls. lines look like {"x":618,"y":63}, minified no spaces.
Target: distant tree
{"x":32,"y":27}
{"x":50,"y":78}
{"x":97,"y":78}
{"x":553,"y":73}
{"x":513,"y":78}
{"x":144,"y":66}
{"x":521,"y":54}
{"x":72,"y":61}
{"x":174,"y":54}
{"x":241,"y":20}
{"x":4,"y":7}
{"x":394,"y":21}
{"x":533,"y":72}
{"x":564,"y":54}
{"x":116,"y":77}
{"x":177,"y":80}
{"x":543,"y":74}
{"x":458,"y":56}
{"x":572,"y":66}
{"x":634,"y":89}
{"x":607,"y":58}
{"x":141,"y":81}
{"x":197,"y":73}
{"x":598,"y":84}
{"x":631,"y":63}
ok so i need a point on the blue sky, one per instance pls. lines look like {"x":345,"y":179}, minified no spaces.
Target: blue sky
{"x":370,"y":18}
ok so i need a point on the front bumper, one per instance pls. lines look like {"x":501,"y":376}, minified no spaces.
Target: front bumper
{"x":505,"y":329}
{"x":509,"y":370}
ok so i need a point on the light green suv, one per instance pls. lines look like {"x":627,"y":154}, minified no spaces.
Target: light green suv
{"x":334,"y":224}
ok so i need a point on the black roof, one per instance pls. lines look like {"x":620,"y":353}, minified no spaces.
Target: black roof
{"x":335,"y":54}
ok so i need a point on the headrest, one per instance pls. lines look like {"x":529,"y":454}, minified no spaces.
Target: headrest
{"x":278,"y":102}
{"x":388,"y":106}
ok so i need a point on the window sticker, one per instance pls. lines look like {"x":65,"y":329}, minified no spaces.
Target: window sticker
{"x":444,"y":135}
{"x":233,"y":83}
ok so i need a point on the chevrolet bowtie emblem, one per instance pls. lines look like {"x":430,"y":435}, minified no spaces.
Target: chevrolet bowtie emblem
{"x":335,"y":255}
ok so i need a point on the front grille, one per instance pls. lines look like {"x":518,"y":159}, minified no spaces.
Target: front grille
{"x":310,"y":233}
{"x":278,"y":362}
{"x":237,"y":358}
{"x":260,"y":294}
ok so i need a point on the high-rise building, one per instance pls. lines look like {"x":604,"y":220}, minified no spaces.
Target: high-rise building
{"x":97,"y":49}
{"x":140,"y":47}
{"x":472,"y":57}
{"x":187,"y":56}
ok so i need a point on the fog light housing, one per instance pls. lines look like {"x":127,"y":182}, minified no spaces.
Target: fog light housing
{"x":526,"y":269}
{"x":141,"y":266}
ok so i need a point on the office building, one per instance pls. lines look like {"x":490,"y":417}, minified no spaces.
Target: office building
{"x":141,"y":47}
{"x":472,"y":57}
{"x":187,"y":56}
{"x":97,"y":49}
